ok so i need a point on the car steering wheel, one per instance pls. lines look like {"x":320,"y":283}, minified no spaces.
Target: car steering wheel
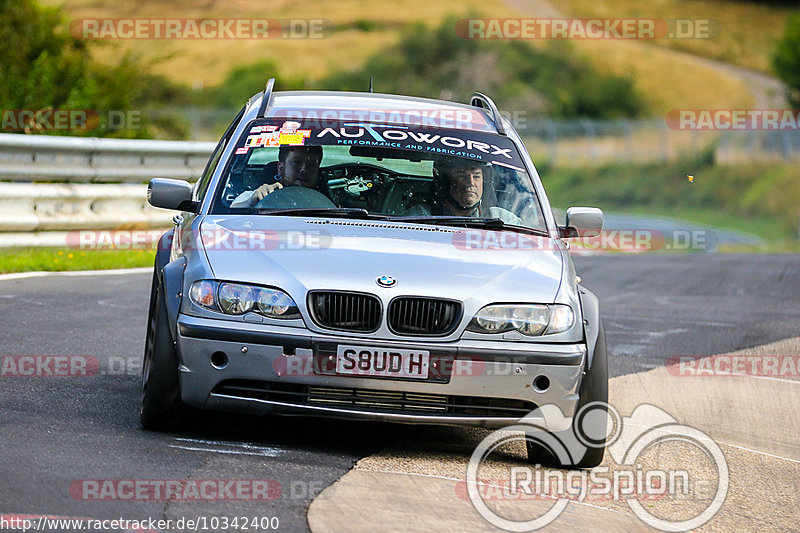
{"x":295,"y":197}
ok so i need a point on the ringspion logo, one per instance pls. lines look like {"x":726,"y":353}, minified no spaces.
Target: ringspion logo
{"x":648,"y":429}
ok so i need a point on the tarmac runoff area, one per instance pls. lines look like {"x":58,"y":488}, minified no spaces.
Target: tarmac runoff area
{"x":419,"y":484}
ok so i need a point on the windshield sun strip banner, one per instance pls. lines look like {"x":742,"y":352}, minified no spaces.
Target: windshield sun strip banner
{"x":484,"y":147}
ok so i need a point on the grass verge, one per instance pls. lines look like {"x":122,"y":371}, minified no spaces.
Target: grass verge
{"x":755,"y":198}
{"x":64,"y":259}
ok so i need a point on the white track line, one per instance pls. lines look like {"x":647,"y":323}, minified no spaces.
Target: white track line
{"x":76,"y":273}
{"x":770,"y":378}
{"x":232,"y":444}
{"x":738,"y":447}
{"x":264,"y":453}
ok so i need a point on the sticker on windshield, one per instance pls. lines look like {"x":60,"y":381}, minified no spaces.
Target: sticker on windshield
{"x":263,"y":129}
{"x":289,"y":134}
{"x":262,"y":139}
{"x":293,"y":139}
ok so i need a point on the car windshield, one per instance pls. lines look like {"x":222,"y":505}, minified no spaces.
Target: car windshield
{"x":424,"y":174}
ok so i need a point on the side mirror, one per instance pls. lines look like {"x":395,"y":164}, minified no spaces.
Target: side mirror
{"x":171,"y":194}
{"x":582,"y":222}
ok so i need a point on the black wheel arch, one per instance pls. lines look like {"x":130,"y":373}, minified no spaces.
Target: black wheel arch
{"x":170,"y":277}
{"x":590,"y":308}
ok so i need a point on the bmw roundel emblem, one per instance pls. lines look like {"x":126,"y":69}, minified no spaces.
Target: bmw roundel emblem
{"x":386,"y":281}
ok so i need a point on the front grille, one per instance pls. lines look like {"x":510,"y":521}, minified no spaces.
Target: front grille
{"x":423,"y":316}
{"x":376,"y":400}
{"x":346,"y":311}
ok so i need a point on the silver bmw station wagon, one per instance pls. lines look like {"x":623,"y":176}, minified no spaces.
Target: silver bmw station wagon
{"x":371,"y":256}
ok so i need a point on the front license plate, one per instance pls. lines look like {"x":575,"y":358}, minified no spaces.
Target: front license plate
{"x":382,"y":362}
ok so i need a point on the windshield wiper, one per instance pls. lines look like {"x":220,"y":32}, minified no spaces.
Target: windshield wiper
{"x":469,"y":222}
{"x":339,"y":212}
{"x":526,"y":229}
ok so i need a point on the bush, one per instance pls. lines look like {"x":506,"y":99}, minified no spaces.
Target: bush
{"x":787,"y":59}
{"x":43,"y":67}
{"x":437,"y":63}
{"x":243,"y":82}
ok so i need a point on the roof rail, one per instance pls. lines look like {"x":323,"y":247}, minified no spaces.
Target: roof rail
{"x":262,"y":110}
{"x":484,"y":102}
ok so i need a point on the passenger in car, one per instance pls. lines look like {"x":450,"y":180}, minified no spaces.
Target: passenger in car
{"x":463,"y":188}
{"x":297,"y":165}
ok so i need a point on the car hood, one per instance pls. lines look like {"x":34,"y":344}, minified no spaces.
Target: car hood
{"x":298,"y":254}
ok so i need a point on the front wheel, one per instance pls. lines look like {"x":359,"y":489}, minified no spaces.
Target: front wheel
{"x":585,"y":441}
{"x":162,"y":408}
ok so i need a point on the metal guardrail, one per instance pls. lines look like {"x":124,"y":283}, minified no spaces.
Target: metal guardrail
{"x":50,"y":158}
{"x":51,"y":184}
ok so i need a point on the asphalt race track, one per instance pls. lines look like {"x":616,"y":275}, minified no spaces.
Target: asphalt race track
{"x":656,"y":306}
{"x":57,"y":432}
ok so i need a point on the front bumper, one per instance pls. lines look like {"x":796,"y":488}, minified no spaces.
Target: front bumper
{"x":272,"y":369}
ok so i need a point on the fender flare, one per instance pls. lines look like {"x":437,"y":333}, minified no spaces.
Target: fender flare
{"x":163,"y":250}
{"x":590,"y":306}
{"x":170,"y":275}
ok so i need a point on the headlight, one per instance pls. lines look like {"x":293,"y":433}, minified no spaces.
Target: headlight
{"x":276,"y":304}
{"x":530,"y":319}
{"x":238,"y":299}
{"x":493,"y":319}
{"x":235,"y":299}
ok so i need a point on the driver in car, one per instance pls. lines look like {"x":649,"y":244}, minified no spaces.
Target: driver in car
{"x":297,"y":165}
{"x":463,"y":188}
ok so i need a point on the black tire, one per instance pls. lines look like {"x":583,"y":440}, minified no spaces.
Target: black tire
{"x":162,"y":408}
{"x":594,"y":388}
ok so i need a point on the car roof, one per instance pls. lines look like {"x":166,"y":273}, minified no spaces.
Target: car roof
{"x":378,"y":108}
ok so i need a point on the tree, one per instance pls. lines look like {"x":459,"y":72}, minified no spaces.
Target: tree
{"x":43,"y":67}
{"x":787,"y":59}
